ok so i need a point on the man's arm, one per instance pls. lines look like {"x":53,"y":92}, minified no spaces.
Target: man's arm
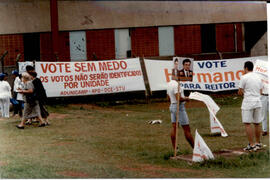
{"x":241,"y":86}
{"x":240,"y":91}
{"x":182,"y":99}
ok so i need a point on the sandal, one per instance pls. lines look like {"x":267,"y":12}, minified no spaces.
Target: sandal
{"x":42,"y":125}
{"x":20,"y":127}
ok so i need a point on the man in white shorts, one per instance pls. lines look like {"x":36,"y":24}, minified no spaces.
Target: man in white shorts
{"x":172,"y":91}
{"x":250,"y":86}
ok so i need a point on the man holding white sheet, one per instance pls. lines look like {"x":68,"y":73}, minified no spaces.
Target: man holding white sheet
{"x":250,"y":86}
{"x":172,"y":92}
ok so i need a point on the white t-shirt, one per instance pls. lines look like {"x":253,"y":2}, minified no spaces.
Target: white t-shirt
{"x":17,"y":83}
{"x":172,"y":89}
{"x":251,"y":84}
{"x":5,"y":90}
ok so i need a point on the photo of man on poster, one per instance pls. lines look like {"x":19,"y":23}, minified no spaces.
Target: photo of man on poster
{"x":185,"y":68}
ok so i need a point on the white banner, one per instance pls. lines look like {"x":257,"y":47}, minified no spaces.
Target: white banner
{"x":209,"y":75}
{"x":213,"y":108}
{"x":201,"y":151}
{"x":261,"y":67}
{"x":91,"y":77}
{"x":22,"y":66}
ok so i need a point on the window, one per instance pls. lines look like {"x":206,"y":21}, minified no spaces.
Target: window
{"x":31,"y":43}
{"x":208,"y":38}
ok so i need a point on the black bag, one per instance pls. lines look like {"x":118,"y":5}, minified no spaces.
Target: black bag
{"x":31,"y":99}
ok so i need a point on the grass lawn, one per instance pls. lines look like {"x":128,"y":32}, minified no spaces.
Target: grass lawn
{"x":103,"y":141}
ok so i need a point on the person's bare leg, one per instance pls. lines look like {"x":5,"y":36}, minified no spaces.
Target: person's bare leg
{"x":22,"y":122}
{"x":39,"y":118}
{"x":249,"y":133}
{"x":257,"y":133}
{"x":188,"y":135}
{"x":46,"y":121}
{"x":173,"y":131}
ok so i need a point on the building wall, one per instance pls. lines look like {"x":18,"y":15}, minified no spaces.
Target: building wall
{"x":24,"y":17}
{"x":64,"y":49}
{"x":46,"y":47}
{"x":260,"y":48}
{"x":100,"y":44}
{"x":14,"y":45}
{"x":240,"y":37}
{"x":187,"y":39}
{"x":144,"y":41}
{"x":18,"y":16}
{"x":225,"y":37}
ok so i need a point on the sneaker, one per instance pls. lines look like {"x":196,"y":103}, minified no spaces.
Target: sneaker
{"x":264,"y":133}
{"x":249,"y":148}
{"x":259,"y":146}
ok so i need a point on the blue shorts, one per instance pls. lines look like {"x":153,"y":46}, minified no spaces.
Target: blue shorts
{"x":183,"y":118}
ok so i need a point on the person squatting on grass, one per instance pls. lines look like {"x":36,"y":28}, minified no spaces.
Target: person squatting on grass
{"x":172,"y":91}
{"x":40,"y":94}
{"x":5,"y":95}
{"x":31,"y":106}
{"x":250,"y":87}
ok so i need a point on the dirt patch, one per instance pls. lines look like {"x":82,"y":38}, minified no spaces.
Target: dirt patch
{"x":167,"y":169}
{"x":153,"y":170}
{"x":2,"y":163}
{"x":61,"y":144}
{"x":227,"y":153}
{"x":57,"y":116}
{"x":95,"y":107}
{"x":73,"y":174}
{"x":189,"y":104}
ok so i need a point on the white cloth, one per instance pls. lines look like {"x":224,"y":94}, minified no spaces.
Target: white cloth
{"x":5,"y":90}
{"x":20,"y":85}
{"x":172,"y":89}
{"x":216,"y":126}
{"x":213,"y":108}
{"x":16,"y":85}
{"x":265,"y":110}
{"x":4,"y":105}
{"x":208,"y":101}
{"x":265,"y":87}
{"x":201,"y":151}
{"x":251,"y":84}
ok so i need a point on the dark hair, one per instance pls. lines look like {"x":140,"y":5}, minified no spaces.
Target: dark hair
{"x":176,"y":59}
{"x":15,"y":72}
{"x":2,"y":75}
{"x":186,"y":60}
{"x":33,"y":74}
{"x":248,"y":65}
{"x":29,"y":68}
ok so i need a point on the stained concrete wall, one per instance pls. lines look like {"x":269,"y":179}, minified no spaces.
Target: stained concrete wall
{"x":260,"y":48}
{"x":21,"y":16}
